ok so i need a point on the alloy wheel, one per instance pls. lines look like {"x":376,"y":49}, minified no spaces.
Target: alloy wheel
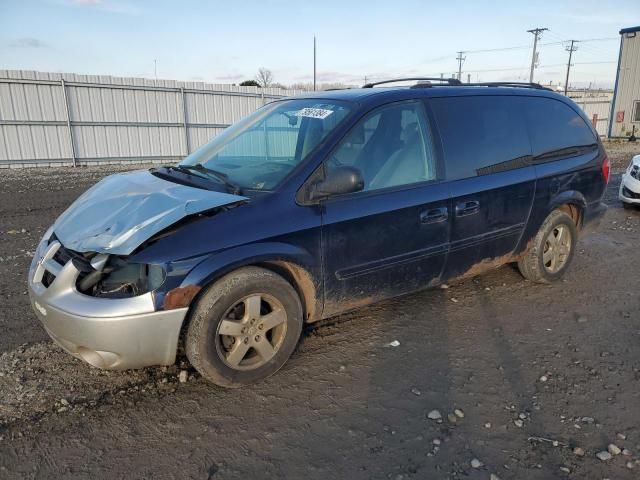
{"x":251,"y":332}
{"x":557,"y":248}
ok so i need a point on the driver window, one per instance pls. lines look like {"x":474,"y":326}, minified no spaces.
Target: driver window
{"x":390,"y":146}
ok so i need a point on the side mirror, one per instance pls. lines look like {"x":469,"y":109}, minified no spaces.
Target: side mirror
{"x":338,"y":181}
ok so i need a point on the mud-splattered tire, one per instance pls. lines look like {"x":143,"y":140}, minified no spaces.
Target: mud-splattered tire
{"x":551,"y":250}
{"x":244,"y":327}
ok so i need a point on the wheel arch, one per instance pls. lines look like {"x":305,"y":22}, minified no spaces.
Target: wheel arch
{"x":295,"y":265}
{"x":571,"y":202}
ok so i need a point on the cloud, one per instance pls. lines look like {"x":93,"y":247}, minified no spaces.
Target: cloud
{"x":107,"y":6}
{"x":85,"y":3}
{"x":28,"y":42}
{"x":331,"y":77}
{"x":233,"y":77}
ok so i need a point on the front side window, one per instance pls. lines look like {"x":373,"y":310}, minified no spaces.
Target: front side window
{"x":260,"y":150}
{"x":391,"y":147}
{"x":636,"y":111}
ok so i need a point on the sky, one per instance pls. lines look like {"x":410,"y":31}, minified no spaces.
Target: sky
{"x":228,"y":41}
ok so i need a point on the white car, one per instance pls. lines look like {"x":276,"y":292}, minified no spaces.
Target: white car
{"x":630,"y":184}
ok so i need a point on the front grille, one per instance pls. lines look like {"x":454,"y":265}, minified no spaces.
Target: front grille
{"x":48,"y":278}
{"x":63,"y":255}
{"x":53,"y":260}
{"x":629,"y":194}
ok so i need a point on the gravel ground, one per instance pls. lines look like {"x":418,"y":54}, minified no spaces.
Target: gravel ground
{"x":493,"y":376}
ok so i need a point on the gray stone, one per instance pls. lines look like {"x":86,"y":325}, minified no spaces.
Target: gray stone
{"x":614,"y":449}
{"x":434,"y":415}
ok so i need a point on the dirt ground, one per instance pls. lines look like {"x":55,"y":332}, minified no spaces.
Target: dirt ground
{"x":545,"y":377}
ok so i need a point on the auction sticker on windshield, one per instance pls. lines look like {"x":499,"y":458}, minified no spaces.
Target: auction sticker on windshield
{"x":320,"y":113}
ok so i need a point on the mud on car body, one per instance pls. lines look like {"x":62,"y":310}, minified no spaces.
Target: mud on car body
{"x":310,"y":207}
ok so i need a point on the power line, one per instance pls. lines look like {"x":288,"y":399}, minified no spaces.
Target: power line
{"x":522,"y":47}
{"x":602,"y":39}
{"x":537,"y":33}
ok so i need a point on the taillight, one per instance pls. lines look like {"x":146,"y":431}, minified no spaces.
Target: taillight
{"x":606,"y":168}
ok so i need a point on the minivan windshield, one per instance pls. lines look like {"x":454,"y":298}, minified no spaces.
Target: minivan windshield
{"x":259,"y":151}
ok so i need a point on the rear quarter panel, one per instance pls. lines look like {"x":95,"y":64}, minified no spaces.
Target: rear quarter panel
{"x":576,"y":180}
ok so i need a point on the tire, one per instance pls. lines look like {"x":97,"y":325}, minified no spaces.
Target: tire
{"x":225,"y":323}
{"x":532,"y":265}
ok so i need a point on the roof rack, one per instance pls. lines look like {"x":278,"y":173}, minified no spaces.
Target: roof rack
{"x":536,"y":86}
{"x":445,"y":81}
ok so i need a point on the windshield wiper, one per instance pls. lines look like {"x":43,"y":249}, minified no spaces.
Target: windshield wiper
{"x":210,"y":172}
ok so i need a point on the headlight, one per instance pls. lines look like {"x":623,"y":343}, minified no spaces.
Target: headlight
{"x":115,"y":277}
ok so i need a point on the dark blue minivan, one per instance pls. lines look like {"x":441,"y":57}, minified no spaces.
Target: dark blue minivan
{"x":312,"y":206}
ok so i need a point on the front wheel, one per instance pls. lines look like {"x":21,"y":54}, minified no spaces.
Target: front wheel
{"x":551,"y":250}
{"x":244,"y":328}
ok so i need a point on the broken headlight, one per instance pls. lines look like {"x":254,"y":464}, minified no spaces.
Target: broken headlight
{"x":111,"y":276}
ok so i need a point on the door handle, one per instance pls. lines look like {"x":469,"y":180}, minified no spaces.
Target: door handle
{"x":467,"y":208}
{"x":435,"y":215}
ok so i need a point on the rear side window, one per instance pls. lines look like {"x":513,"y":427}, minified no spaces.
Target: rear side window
{"x":481,"y":135}
{"x":556,"y":129}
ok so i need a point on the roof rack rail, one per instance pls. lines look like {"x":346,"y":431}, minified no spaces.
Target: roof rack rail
{"x":447,"y":81}
{"x":536,"y":86}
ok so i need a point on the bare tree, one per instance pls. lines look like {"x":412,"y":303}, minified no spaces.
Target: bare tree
{"x":264,"y":77}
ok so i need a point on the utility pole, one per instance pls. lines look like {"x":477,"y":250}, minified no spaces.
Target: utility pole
{"x":314,"y":63}
{"x":155,"y":68}
{"x":570,"y":49}
{"x":460,"y":59}
{"x":537,"y":32}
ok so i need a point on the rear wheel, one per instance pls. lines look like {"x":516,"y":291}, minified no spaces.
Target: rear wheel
{"x":244,"y":328}
{"x":552,"y":249}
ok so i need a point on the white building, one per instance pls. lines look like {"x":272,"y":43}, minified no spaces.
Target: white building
{"x":625,"y":109}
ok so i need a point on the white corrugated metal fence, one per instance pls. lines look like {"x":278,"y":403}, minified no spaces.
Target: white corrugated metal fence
{"x":50,"y":119}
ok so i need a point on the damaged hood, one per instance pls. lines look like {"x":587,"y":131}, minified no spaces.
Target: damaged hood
{"x":122,"y":211}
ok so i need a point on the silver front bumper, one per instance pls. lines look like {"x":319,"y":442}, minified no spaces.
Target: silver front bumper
{"x":107,"y":333}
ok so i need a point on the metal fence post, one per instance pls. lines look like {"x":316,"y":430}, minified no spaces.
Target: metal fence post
{"x":69,"y":127}
{"x":184,"y":121}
